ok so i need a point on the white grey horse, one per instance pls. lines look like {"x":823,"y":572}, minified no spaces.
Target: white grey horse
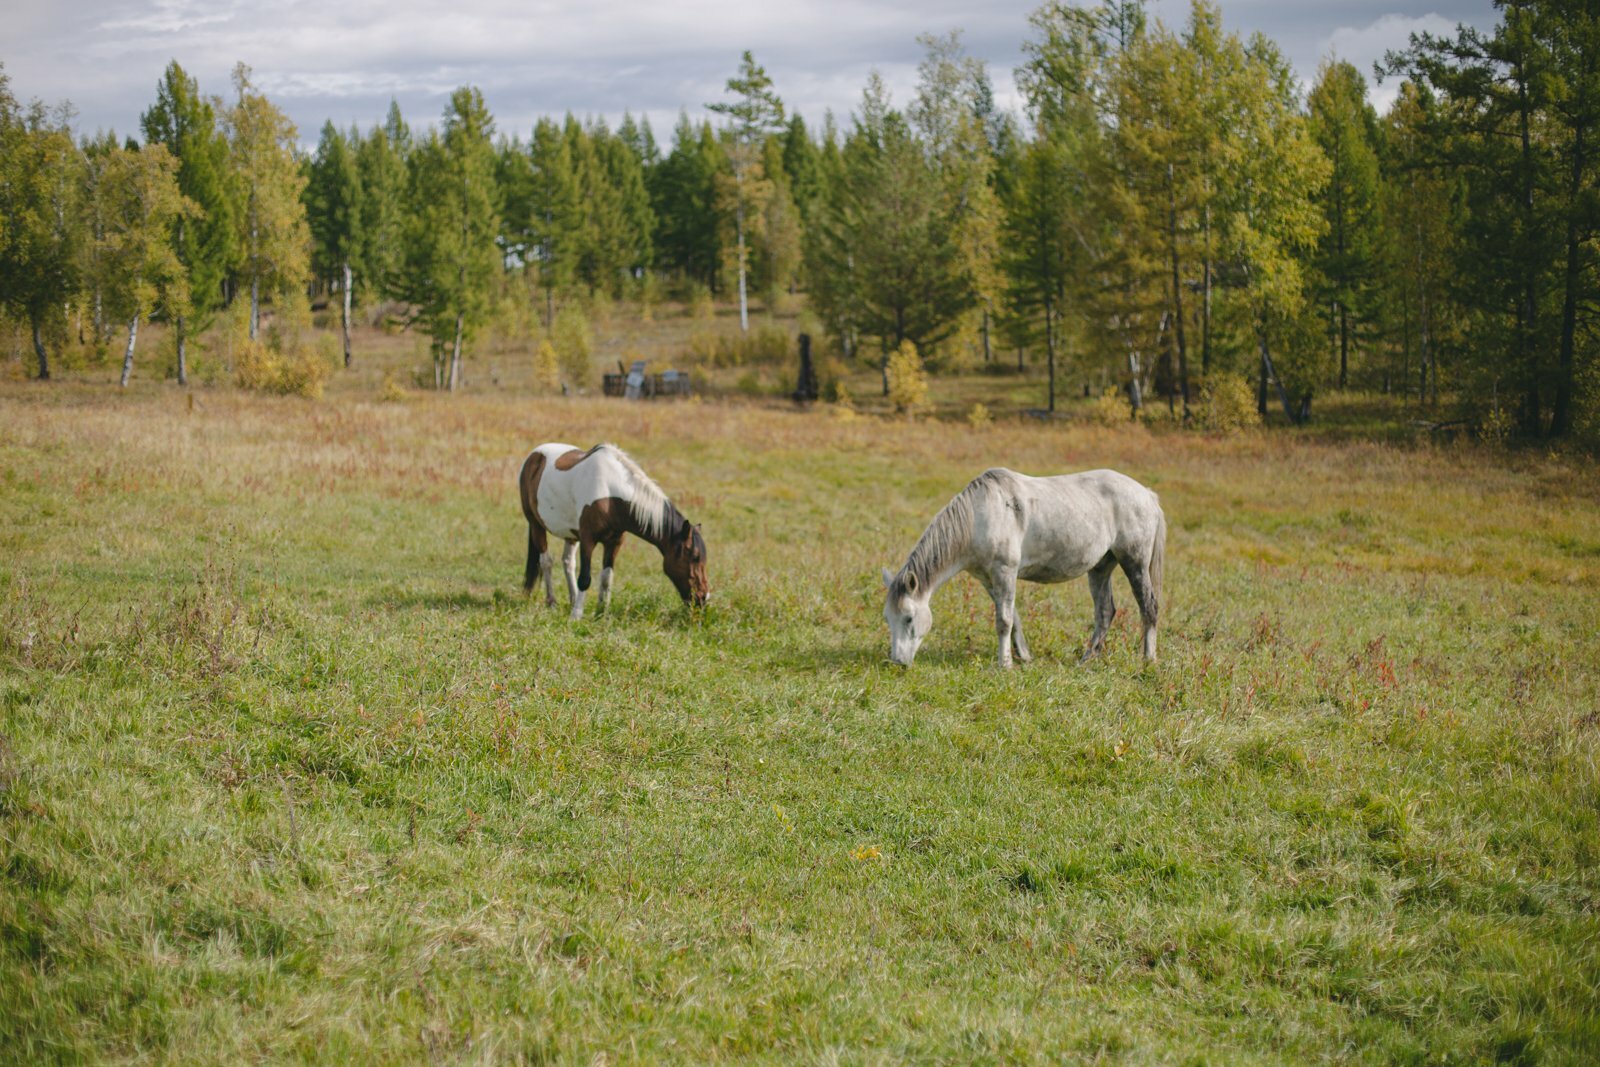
{"x":1004,"y":526}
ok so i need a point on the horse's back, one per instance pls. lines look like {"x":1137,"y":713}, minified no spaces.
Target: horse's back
{"x":1071,"y":522}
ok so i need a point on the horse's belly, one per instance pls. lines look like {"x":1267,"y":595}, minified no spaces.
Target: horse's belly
{"x":1054,"y":570}
{"x":558,"y":515}
{"x":1061,"y":556}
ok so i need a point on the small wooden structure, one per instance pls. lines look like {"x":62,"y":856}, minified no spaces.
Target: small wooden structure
{"x":633,"y":383}
{"x":806,"y":390}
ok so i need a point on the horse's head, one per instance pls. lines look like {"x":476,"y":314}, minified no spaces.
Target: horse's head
{"x":905,"y":608}
{"x":684,"y":559}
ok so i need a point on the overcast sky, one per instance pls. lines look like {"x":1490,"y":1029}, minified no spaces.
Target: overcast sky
{"x":345,"y":59}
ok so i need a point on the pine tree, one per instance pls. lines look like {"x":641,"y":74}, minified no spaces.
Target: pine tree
{"x":884,"y":261}
{"x":802,"y":164}
{"x":205,"y":241}
{"x":683,"y":193}
{"x":553,"y":212}
{"x":454,"y":257}
{"x":336,"y":205}
{"x":1345,"y":127}
{"x":381,"y":159}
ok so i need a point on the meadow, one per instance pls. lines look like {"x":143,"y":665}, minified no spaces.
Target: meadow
{"x":291,"y":770}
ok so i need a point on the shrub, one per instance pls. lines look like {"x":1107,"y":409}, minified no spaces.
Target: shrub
{"x":1227,"y":404}
{"x":393,"y":392}
{"x":979,"y":416}
{"x":546,"y":368}
{"x":574,"y":344}
{"x":908,"y":383}
{"x":300,"y":372}
{"x":701,"y":306}
{"x":1110,"y":408}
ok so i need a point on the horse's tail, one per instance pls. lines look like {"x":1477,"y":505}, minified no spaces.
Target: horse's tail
{"x":528,"y":487}
{"x":1158,"y":562}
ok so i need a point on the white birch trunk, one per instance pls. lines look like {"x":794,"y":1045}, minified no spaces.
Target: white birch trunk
{"x":127,"y":356}
{"x":455,"y":355}
{"x":347,"y":313}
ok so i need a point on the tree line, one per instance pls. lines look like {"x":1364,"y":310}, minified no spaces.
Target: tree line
{"x":1170,"y":212}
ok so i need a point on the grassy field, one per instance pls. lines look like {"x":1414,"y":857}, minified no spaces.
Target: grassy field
{"x":289,"y":769}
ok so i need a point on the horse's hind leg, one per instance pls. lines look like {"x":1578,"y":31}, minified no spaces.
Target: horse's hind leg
{"x":547,"y":566}
{"x":1144,"y":592}
{"x":569,"y":563}
{"x":1105,"y":608}
{"x":536,"y":554}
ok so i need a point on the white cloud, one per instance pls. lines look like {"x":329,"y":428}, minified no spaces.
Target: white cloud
{"x":1368,"y":44}
{"x":345,"y":61}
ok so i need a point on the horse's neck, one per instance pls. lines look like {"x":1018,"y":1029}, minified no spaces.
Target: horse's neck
{"x":938,"y":576}
{"x":671,"y":520}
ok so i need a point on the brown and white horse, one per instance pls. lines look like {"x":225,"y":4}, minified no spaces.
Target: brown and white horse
{"x":596,"y":498}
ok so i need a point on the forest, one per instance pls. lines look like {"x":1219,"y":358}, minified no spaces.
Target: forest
{"x":1173,"y":215}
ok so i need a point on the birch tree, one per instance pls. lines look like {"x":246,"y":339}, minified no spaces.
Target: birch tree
{"x":204,"y":240}
{"x":272,"y":235}
{"x":141,"y":205}
{"x":40,"y":183}
{"x":755,"y":113}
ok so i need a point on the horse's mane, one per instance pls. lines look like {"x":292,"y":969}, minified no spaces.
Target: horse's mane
{"x":948,"y":533}
{"x":650,"y":506}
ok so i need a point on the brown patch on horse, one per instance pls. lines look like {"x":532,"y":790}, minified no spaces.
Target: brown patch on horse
{"x":602,"y":522}
{"x":603,"y":519}
{"x":568,"y":460}
{"x":528,"y":481}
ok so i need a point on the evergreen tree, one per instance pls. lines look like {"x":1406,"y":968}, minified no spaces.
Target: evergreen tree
{"x":683,"y":193}
{"x":885,"y":262}
{"x":1496,"y":129}
{"x":204,"y":240}
{"x":336,"y":205}
{"x":381,"y":160}
{"x":553,"y":212}
{"x":1345,"y":127}
{"x":1418,"y":246}
{"x":802,"y":165}
{"x":455,"y":257}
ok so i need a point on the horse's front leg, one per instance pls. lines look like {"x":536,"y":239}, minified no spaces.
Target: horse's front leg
{"x":608,"y":560}
{"x":1003,"y":588}
{"x":569,"y":564}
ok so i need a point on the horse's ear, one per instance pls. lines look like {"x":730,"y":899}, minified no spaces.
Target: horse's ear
{"x":687,"y":532}
{"x":888,"y":577}
{"x":911,"y":582}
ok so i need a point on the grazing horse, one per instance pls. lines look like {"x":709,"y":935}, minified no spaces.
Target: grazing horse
{"x":596,"y":498}
{"x":1004,"y":526}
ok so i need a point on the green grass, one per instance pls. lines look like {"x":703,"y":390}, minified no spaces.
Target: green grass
{"x":289,"y":769}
